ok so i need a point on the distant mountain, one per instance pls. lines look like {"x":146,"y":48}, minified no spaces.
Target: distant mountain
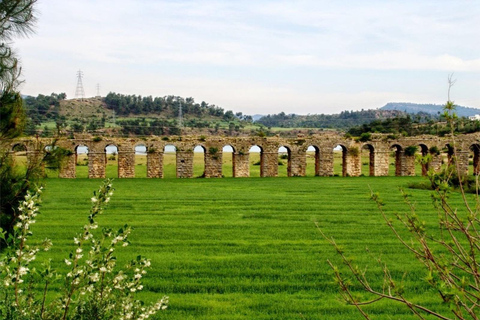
{"x":255,"y":117}
{"x":434,"y":109}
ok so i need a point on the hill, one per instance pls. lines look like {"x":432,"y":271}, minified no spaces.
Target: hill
{"x":128,"y":114}
{"x":343,"y":120}
{"x":433,"y":109}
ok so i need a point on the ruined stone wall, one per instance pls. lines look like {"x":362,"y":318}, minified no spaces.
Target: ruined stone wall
{"x":377,"y":151}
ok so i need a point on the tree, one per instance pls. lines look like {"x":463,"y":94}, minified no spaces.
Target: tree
{"x":16,"y":19}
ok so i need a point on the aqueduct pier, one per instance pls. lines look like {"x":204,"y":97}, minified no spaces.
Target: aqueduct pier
{"x":379,"y":149}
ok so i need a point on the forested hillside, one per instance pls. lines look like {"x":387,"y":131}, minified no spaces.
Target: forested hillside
{"x":167,"y":106}
{"x":343,"y":120}
{"x":433,"y":109}
{"x":413,"y":125}
{"x":127,"y":114}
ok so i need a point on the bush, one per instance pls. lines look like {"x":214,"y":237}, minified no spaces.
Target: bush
{"x":94,"y":288}
{"x":411,"y":150}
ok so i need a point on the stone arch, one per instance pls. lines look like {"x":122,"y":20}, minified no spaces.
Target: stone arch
{"x":475,"y":149}
{"x":370,"y":160}
{"x":112,"y":168}
{"x":169,"y":160}
{"x":228,"y":160}
{"x":19,"y":147}
{"x":81,"y":152}
{"x":398,"y":158}
{"x":257,"y":160}
{"x":199,"y":160}
{"x":140,"y":160}
{"x":312,"y":154}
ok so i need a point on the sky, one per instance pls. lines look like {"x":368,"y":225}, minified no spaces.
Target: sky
{"x":259,"y":56}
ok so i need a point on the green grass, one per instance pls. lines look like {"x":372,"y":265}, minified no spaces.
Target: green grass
{"x":246,"y":248}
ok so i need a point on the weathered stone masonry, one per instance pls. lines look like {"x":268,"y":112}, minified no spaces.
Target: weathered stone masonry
{"x":379,"y":150}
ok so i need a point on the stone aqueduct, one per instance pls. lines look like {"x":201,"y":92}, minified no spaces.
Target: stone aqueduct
{"x":379,"y":149}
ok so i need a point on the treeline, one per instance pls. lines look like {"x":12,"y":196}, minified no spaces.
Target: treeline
{"x":168,"y":106}
{"x":343,"y":120}
{"x":413,"y":125}
{"x":43,"y":108}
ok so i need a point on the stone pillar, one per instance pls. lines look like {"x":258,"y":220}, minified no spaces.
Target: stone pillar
{"x":399,"y":160}
{"x":326,"y":162}
{"x":381,"y":163}
{"x":155,"y":164}
{"x":96,"y":164}
{"x":67,"y":167}
{"x":241,"y":164}
{"x":462,"y":158}
{"x":126,"y":164}
{"x":436,"y":163}
{"x":184,"y":164}
{"x":297,"y":164}
{"x":354,"y":162}
{"x":408,"y":165}
{"x":213,"y":163}
{"x":476,"y":163}
{"x":317,"y":162}
{"x":269,"y":164}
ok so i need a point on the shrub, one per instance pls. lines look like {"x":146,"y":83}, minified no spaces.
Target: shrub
{"x":411,"y":150}
{"x":434,"y":150}
{"x":353,"y":151}
{"x":93,"y":288}
{"x":364,"y":137}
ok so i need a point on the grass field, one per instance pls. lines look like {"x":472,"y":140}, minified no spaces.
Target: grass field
{"x":246,"y":248}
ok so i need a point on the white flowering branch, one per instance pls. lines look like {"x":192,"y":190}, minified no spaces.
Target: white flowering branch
{"x":94,"y":289}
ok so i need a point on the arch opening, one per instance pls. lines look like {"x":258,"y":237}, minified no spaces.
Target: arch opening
{"x":474,"y":159}
{"x":420,"y":163}
{"x":450,"y":154}
{"x":256,"y":161}
{"x":340,"y":160}
{"x":170,"y":161}
{"x":111,"y":161}
{"x":396,"y":163}
{"x":19,"y":156}
{"x":312,"y":161}
{"x":199,"y":154}
{"x":49,"y":163}
{"x":284,"y":162}
{"x":140,"y":161}
{"x":81,"y":161}
{"x":368,"y":160}
{"x":228,"y":161}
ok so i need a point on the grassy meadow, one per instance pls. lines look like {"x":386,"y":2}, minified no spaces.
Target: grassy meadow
{"x":246,"y":248}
